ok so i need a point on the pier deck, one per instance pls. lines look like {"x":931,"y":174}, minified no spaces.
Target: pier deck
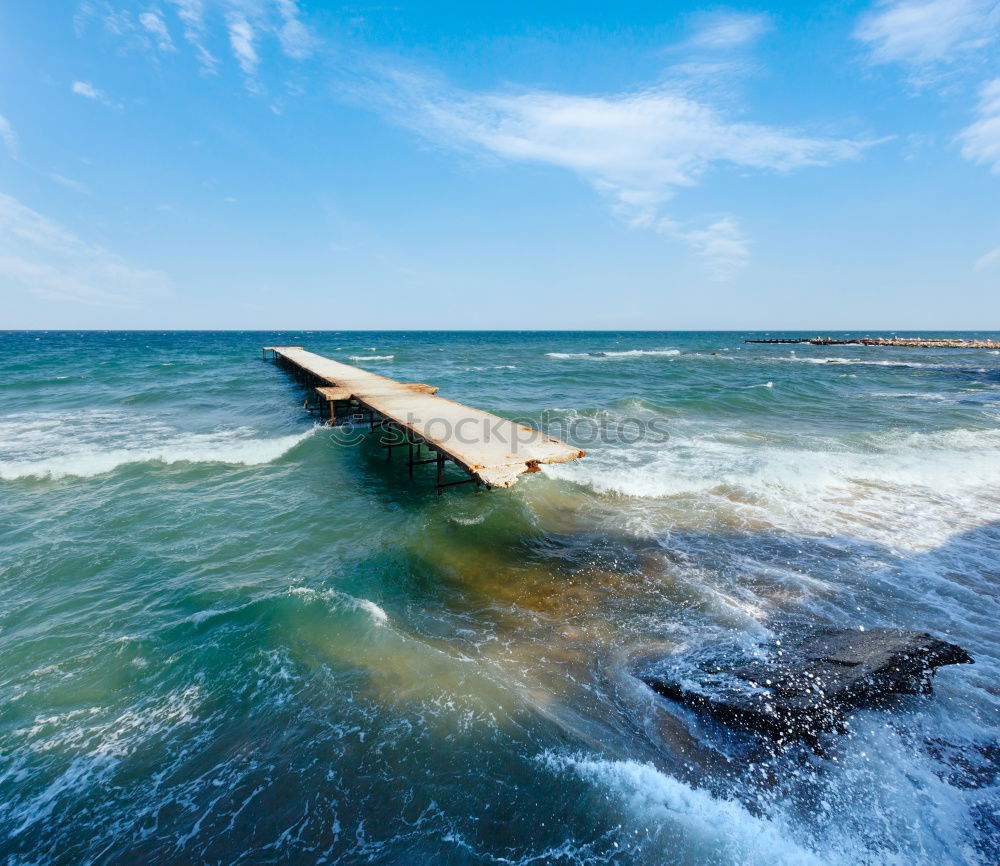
{"x":492,"y":450}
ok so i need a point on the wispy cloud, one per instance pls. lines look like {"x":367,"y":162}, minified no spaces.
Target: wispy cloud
{"x":990,"y":260}
{"x":154,"y":24}
{"x":925,"y":33}
{"x":981,"y":140}
{"x":635,"y":148}
{"x":244,"y":24}
{"x":944,"y":40}
{"x":68,"y":182}
{"x":88,"y":91}
{"x":241,"y":38}
{"x":41,"y":257}
{"x":84,"y":88}
{"x":9,"y":138}
{"x":296,"y":39}
{"x":721,"y":244}
{"x":725,"y":29}
{"x":192,"y":16}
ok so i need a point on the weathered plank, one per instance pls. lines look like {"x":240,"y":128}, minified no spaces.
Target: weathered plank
{"x":332,"y":393}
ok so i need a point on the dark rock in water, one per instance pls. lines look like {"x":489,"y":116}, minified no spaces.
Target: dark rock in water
{"x":805,"y":686}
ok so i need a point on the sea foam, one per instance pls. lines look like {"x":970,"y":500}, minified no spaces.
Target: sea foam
{"x":714,"y":830}
{"x":604,"y":356}
{"x":911,"y":489}
{"x":44,"y":445}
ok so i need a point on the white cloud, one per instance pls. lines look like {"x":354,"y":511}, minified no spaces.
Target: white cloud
{"x":635,"y":148}
{"x":88,"y":91}
{"x":39,"y":256}
{"x":248,"y":20}
{"x":722,"y":30}
{"x":638,"y":147}
{"x":192,"y":15}
{"x":981,"y":140}
{"x":82,"y":88}
{"x":935,"y":37}
{"x":116,"y":22}
{"x":721,"y":244}
{"x":241,"y":37}
{"x":991,"y":259}
{"x":926,"y":32}
{"x":296,"y":40}
{"x":8,"y":136}
{"x":153,"y":23}
{"x":246,"y":25}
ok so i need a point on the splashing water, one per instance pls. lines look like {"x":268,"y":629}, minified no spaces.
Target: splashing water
{"x":225,"y":633}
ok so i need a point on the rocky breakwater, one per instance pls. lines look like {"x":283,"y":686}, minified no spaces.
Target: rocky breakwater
{"x":804,"y":685}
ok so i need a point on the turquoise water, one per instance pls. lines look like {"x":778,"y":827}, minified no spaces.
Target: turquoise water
{"x":225,"y":635}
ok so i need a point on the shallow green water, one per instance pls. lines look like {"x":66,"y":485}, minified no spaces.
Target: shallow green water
{"x":226,"y":635}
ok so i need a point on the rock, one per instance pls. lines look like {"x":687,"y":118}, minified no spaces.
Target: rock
{"x":801,"y":687}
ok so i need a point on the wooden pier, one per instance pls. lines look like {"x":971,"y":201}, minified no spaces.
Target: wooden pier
{"x":493,"y":451}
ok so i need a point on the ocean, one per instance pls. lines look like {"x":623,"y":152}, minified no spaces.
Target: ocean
{"x":229,"y":635}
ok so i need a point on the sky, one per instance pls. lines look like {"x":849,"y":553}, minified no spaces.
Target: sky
{"x":267,"y":164}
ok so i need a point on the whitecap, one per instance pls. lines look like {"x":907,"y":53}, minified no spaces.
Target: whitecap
{"x":714,"y":830}
{"x":42,"y":445}
{"x":377,"y":613}
{"x":860,"y":362}
{"x":337,"y":598}
{"x":908,"y":490}
{"x":467,"y":521}
{"x":601,"y":355}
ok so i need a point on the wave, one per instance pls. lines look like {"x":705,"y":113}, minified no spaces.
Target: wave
{"x":375,"y":612}
{"x":370,"y":357}
{"x":870,"y":363}
{"x":601,"y":356}
{"x":99,"y":742}
{"x":494,"y":367}
{"x":716,"y":830}
{"x":909,"y":489}
{"x":44,"y":446}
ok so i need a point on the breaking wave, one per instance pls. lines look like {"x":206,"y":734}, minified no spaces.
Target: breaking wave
{"x":46,"y":446}
{"x":370,"y":357}
{"x":887,"y":485}
{"x":870,"y":363}
{"x":335,"y":597}
{"x":714,"y":830}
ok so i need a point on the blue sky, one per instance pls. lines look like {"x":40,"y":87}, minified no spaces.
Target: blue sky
{"x":286,"y":163}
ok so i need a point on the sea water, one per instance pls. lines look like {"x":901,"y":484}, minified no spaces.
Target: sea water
{"x":230,"y":634}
